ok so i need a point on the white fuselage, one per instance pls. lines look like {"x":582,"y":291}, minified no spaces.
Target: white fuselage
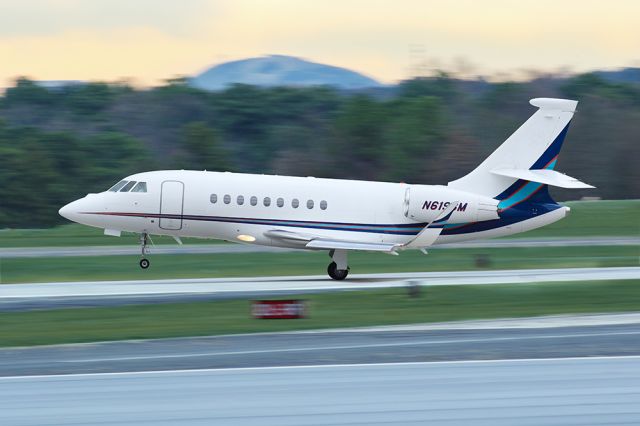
{"x":207,"y":205}
{"x":506,"y":194}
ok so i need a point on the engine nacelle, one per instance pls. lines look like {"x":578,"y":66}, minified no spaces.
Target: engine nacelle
{"x":425,"y":202}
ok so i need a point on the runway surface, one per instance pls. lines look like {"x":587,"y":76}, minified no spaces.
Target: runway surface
{"x":345,"y":346}
{"x":569,"y":391}
{"x":32,"y":252}
{"x":529,"y":392}
{"x":111,"y":293}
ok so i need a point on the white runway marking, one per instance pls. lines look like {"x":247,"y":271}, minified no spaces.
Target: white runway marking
{"x":537,"y":322}
{"x":323,"y":366}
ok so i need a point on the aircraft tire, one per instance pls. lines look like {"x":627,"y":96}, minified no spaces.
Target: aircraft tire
{"x":144,"y":263}
{"x":335,"y":273}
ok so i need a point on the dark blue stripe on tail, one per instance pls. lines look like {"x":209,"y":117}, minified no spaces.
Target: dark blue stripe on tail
{"x":546,"y":161}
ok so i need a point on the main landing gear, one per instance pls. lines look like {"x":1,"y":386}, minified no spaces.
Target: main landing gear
{"x":338,"y":269}
{"x":144,"y":240}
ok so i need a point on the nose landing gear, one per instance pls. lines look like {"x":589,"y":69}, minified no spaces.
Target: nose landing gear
{"x":144,"y":240}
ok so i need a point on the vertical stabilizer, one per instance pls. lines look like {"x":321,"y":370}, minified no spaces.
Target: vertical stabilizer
{"x":534,"y":146}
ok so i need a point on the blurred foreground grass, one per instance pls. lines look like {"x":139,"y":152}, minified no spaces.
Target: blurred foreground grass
{"x":587,"y":218}
{"x":327,"y":310}
{"x":96,"y":268}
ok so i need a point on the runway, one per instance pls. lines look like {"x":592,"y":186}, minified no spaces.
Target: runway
{"x":221,"y":248}
{"x":562,"y":338}
{"x":569,"y":391}
{"x":570,"y":370}
{"x":111,"y":293}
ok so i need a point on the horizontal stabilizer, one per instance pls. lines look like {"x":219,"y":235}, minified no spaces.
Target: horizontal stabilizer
{"x":323,"y":243}
{"x":545,"y":176}
{"x":555,"y":104}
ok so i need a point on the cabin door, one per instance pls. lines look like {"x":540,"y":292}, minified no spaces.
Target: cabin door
{"x":171,"y":203}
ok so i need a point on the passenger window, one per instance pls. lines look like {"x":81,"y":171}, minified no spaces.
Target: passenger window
{"x":280,"y":202}
{"x":254,"y":200}
{"x":240,"y":200}
{"x":323,"y":205}
{"x":140,"y":187}
{"x":309,"y":204}
{"x":117,"y":186}
{"x":227,"y":198}
{"x":267,"y":201}
{"x":128,"y":186}
{"x":295,"y":203}
{"x":213,"y":198}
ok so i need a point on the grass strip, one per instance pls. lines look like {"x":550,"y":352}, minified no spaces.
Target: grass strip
{"x":327,"y":310}
{"x":594,"y":218}
{"x":21,"y":270}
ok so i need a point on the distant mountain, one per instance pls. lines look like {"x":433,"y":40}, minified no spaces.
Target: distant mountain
{"x":280,"y":70}
{"x":625,"y":75}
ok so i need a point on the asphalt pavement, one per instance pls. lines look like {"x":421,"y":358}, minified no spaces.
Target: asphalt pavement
{"x":560,"y":391}
{"x":560,"y":370}
{"x":346,"y":346}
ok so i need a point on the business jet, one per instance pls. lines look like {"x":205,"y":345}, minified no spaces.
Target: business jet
{"x":506,"y":194}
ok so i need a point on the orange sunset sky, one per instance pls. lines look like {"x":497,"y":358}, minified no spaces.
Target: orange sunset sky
{"x":148,"y":41}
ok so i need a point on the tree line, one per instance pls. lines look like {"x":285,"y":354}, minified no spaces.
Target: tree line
{"x":57,"y":144}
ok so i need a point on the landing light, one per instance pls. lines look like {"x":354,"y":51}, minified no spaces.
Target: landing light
{"x":246,"y":238}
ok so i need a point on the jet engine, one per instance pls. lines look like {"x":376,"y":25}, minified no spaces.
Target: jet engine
{"x":424,"y":203}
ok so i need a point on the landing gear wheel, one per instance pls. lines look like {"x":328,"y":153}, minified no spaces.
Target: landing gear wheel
{"x":335,"y":273}
{"x":144,"y":240}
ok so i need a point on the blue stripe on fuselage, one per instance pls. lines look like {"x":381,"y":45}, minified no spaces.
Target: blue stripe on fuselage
{"x":512,"y":216}
{"x":519,"y":213}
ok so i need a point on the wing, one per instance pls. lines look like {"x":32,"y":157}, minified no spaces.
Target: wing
{"x":317,"y":242}
{"x":426,"y":237}
{"x":325,"y":243}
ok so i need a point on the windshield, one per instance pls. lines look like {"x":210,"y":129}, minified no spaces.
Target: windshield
{"x":140,"y":187}
{"x":128,"y":186}
{"x":117,"y":186}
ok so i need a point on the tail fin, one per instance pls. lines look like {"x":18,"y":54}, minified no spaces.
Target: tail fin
{"x":528,"y":155}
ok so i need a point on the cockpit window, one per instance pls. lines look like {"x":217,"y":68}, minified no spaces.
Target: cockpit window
{"x":128,"y":186}
{"x":117,"y":186}
{"x":140,"y":187}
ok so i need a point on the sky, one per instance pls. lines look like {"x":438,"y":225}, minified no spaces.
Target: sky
{"x":148,"y":41}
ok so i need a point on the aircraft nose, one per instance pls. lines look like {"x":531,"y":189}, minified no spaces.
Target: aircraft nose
{"x":69,"y":211}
